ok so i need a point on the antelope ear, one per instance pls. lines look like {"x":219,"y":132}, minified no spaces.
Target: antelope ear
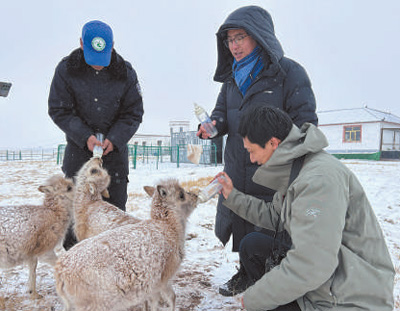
{"x":105,"y":194}
{"x":44,"y":189}
{"x":149,"y":190}
{"x":162,"y":191}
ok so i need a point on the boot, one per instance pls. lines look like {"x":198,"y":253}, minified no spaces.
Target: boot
{"x":236,"y":285}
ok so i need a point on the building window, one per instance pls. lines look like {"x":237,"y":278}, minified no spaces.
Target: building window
{"x":352,"y":134}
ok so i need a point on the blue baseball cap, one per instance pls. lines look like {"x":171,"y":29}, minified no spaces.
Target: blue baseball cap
{"x":97,"y":40}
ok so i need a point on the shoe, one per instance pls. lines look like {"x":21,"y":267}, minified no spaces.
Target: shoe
{"x":236,"y":285}
{"x":70,"y":239}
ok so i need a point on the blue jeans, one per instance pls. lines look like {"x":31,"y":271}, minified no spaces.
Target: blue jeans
{"x":254,"y":250}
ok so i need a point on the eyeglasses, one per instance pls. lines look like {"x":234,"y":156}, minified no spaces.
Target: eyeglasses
{"x":237,"y":39}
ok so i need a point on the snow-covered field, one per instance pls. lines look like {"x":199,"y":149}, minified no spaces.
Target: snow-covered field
{"x":207,"y":263}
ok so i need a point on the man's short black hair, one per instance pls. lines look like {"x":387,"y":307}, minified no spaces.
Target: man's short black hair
{"x":260,"y":123}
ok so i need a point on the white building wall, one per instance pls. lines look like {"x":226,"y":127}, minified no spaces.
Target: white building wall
{"x":370,"y":138}
{"x":149,"y":140}
{"x":334,"y":135}
{"x":390,"y":125}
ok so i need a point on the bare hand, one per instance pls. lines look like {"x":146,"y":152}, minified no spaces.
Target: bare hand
{"x":227,"y":185}
{"x":91,"y":142}
{"x":202,"y":131}
{"x":107,"y":147}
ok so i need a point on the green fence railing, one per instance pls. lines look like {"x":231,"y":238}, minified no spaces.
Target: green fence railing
{"x":60,"y":153}
{"x":160,"y":154}
{"x":174,"y":154}
{"x":359,"y":156}
{"x":37,"y":154}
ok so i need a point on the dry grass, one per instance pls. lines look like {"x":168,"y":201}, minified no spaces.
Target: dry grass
{"x":2,"y":303}
{"x":133,"y":196}
{"x":196,"y":185}
{"x":390,"y":221}
{"x":191,"y":185}
{"x":397,"y":275}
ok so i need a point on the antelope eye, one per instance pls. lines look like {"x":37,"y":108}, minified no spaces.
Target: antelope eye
{"x":181,"y":195}
{"x":94,"y":171}
{"x":69,"y":188}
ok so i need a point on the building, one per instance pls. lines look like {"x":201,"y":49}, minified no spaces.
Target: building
{"x":150,"y":140}
{"x":361,"y":133}
{"x":173,"y":146}
{"x":181,"y":136}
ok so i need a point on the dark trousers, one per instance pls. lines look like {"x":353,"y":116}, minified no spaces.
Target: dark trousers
{"x":255,"y":248}
{"x":118,"y":197}
{"x":118,"y":192}
{"x":75,"y":157}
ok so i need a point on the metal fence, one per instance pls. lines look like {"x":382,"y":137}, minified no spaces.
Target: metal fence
{"x":173,"y":154}
{"x":138,"y":155}
{"x":156,"y":155}
{"x":29,"y":154}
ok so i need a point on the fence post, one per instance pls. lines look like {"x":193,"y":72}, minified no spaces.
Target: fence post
{"x":134,"y":156}
{"x":58,"y":154}
{"x":158,"y":156}
{"x":215,"y":153}
{"x":177,"y":156}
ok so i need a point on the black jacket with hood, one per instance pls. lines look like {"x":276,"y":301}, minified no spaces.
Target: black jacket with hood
{"x":83,"y":101}
{"x":282,"y":83}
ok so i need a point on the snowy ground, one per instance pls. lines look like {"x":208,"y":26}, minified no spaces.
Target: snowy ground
{"x":207,"y":263}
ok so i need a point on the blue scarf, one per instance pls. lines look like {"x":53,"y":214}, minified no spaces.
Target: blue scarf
{"x":247,"y":69}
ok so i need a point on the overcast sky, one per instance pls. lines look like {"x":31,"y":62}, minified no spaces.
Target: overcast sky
{"x":350,"y":49}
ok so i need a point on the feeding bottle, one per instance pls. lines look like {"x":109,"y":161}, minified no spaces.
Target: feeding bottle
{"x":98,"y":150}
{"x":205,"y":120}
{"x":212,"y":189}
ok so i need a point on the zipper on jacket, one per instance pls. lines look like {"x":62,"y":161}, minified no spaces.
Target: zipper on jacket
{"x":335,"y":301}
{"x":249,"y":97}
{"x":234,"y":82}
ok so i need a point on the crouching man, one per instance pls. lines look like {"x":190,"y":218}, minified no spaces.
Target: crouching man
{"x":338,"y":258}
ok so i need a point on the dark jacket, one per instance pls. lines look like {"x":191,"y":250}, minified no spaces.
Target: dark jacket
{"x":84,"y":101}
{"x":283,"y":83}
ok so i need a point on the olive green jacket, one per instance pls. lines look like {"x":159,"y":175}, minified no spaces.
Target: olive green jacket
{"x":339,"y":259}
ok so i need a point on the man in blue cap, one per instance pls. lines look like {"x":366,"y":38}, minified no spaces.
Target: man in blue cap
{"x":95,"y":91}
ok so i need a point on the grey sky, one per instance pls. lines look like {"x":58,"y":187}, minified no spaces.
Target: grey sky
{"x":350,"y":49}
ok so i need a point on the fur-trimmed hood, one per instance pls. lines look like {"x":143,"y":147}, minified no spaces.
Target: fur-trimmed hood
{"x":76,"y":64}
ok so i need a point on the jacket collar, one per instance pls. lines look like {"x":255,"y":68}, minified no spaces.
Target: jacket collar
{"x":275,"y":173}
{"x":76,"y":64}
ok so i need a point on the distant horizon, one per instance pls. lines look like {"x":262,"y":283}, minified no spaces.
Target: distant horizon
{"x":165,"y":135}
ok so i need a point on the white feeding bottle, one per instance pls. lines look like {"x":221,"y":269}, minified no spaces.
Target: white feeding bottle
{"x":212,"y":189}
{"x":205,"y":120}
{"x":98,"y":150}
